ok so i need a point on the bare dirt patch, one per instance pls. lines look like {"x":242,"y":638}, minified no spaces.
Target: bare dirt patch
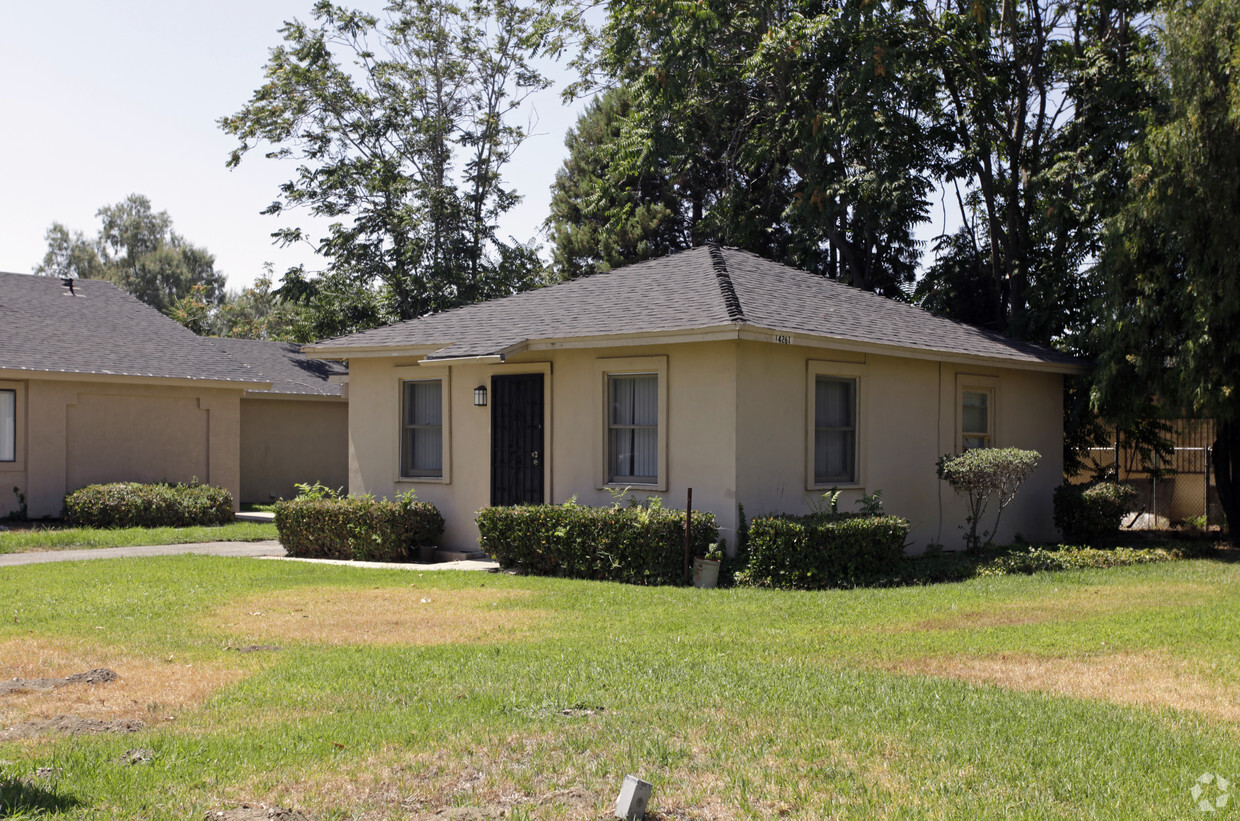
{"x":256,"y":812}
{"x":1143,"y":679}
{"x":25,"y":685}
{"x":70,"y":725}
{"x":134,"y":688}
{"x":380,"y":616}
{"x":1074,"y":605}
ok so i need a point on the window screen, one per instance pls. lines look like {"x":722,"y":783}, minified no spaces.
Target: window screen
{"x":422,"y":429}
{"x":633,"y":428}
{"x":835,"y":430}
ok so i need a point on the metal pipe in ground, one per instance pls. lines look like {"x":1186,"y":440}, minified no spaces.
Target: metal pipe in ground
{"x":688,"y":530}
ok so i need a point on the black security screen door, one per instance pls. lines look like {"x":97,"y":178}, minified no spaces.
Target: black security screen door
{"x":517,"y":439}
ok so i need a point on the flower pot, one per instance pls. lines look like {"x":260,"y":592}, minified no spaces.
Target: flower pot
{"x":705,"y":573}
{"x":426,"y":553}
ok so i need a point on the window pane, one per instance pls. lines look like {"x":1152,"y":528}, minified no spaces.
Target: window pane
{"x":8,"y":426}
{"x":833,"y":403}
{"x":621,"y":400}
{"x":424,"y":403}
{"x":975,"y":415}
{"x":834,"y":456}
{"x":427,"y":456}
{"x":621,"y":452}
{"x":645,"y":399}
{"x":646,"y":453}
{"x":972,"y":442}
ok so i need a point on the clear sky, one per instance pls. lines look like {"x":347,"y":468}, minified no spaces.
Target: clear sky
{"x":103,"y":99}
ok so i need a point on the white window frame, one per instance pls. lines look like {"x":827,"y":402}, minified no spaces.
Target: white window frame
{"x":976,"y":383}
{"x":857,"y":373}
{"x":18,"y":462}
{"x":605,"y":369}
{"x":421,"y":374}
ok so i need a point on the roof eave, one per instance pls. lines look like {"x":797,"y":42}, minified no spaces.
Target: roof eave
{"x":132,"y":379}
{"x":787,"y":337}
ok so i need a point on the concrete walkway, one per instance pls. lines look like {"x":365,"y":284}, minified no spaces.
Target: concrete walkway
{"x":269,"y":548}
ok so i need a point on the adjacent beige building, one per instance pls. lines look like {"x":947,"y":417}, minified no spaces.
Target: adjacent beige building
{"x":752,"y":383}
{"x":97,"y":387}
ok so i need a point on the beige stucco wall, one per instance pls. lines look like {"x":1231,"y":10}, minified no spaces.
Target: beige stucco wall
{"x":908,"y":417}
{"x":72,"y":433}
{"x":736,"y":431}
{"x":700,"y":435}
{"x":291,"y":440}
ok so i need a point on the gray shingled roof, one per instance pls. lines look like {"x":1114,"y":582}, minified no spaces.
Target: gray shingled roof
{"x":706,"y":287}
{"x":285,"y":366}
{"x":100,"y":330}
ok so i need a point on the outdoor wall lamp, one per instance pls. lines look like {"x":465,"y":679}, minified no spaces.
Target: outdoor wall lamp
{"x":480,"y":396}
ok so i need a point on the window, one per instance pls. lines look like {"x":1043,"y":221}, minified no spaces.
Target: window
{"x":8,"y":425}
{"x":835,"y":430}
{"x":633,"y":428}
{"x":421,"y":450}
{"x":975,"y":419}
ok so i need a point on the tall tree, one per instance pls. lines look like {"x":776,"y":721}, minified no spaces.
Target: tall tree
{"x":401,"y":127}
{"x":601,"y":214}
{"x":1173,"y":252}
{"x":137,"y":250}
{"x":793,"y":129}
{"x":1040,"y":99}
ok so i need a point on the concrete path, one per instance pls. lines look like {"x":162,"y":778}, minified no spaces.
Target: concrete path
{"x":269,"y":548}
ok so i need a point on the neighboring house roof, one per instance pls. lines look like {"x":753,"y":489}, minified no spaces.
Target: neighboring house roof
{"x":703,"y":288}
{"x":98,"y":329}
{"x":285,"y":366}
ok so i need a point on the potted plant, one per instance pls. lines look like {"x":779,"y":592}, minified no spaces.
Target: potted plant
{"x":706,"y":568}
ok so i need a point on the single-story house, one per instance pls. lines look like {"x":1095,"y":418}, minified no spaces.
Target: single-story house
{"x":96,"y":386}
{"x":750,"y":382}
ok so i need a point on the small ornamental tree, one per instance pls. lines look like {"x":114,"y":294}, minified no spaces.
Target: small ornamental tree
{"x":984,"y":472}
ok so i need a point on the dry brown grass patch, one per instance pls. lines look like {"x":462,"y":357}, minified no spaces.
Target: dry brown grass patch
{"x":147,"y":689}
{"x":1148,"y":679}
{"x":1064,"y":605}
{"x":379,"y":616}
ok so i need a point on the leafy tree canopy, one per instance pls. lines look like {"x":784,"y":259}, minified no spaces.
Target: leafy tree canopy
{"x":137,"y":250}
{"x":1173,"y":252}
{"x":400,"y":127}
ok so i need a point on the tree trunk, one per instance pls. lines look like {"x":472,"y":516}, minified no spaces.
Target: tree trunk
{"x":1226,"y":460}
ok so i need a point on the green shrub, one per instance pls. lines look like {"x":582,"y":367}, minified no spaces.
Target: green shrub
{"x":817,"y":551}
{"x":1039,"y":559}
{"x":984,"y":472}
{"x":129,"y":504}
{"x":1088,"y":513}
{"x":361,"y":528}
{"x":635,"y":544}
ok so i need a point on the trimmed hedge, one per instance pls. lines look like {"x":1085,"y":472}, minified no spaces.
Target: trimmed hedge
{"x":360,"y":528}
{"x":129,"y":504}
{"x":635,"y":544}
{"x":819,"y":551}
{"x":1092,"y":512}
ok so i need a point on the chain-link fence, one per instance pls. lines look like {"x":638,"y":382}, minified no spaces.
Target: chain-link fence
{"x":1178,"y":490}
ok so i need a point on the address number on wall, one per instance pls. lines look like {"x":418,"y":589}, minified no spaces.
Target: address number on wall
{"x":783,"y":339}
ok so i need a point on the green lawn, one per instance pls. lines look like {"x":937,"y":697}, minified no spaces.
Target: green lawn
{"x":19,"y":540}
{"x":1085,"y":694}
